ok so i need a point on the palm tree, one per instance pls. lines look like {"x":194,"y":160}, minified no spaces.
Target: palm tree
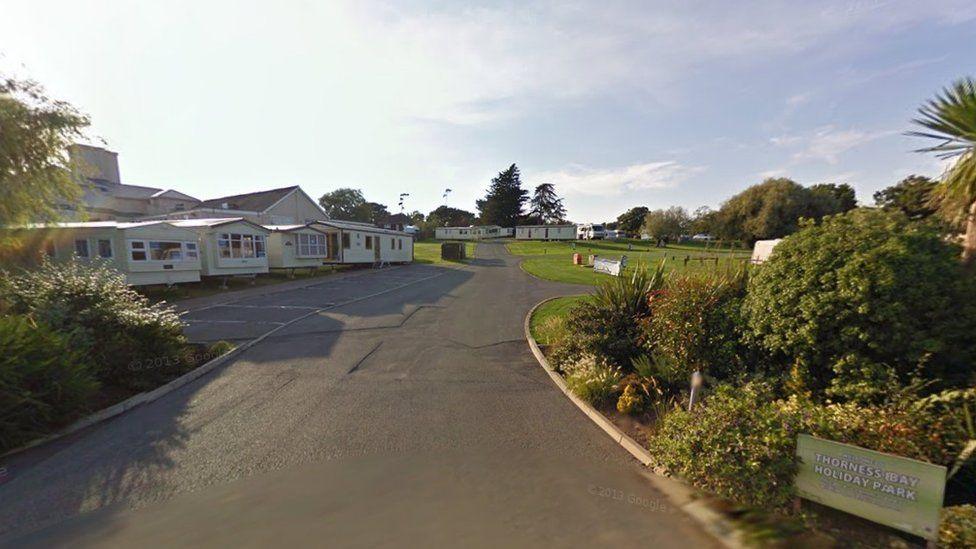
{"x":950,"y":118}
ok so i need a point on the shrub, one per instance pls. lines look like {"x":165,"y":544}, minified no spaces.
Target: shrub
{"x":219,"y":348}
{"x":608,"y":325}
{"x":592,"y":380}
{"x":739,"y":445}
{"x":43,"y":381}
{"x":742,"y":443}
{"x":696,"y":324}
{"x":630,"y":401}
{"x":109,"y":322}
{"x":863,"y":302}
{"x":957,"y":529}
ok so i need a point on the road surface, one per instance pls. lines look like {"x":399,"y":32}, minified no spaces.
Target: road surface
{"x":409,"y":412}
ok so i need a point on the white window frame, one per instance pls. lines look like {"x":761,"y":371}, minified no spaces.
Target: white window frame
{"x":189,"y":251}
{"x":249,"y":245}
{"x":312,"y":245}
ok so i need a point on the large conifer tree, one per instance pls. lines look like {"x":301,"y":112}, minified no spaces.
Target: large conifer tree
{"x":505,"y":199}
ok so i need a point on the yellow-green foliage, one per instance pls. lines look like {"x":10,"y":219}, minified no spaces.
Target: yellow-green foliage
{"x":591,"y":379}
{"x":630,"y":402}
{"x":958,"y":527}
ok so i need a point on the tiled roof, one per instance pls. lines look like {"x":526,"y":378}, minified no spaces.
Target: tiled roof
{"x":250,"y":202}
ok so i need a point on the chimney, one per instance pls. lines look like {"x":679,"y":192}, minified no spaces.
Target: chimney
{"x":95,"y":163}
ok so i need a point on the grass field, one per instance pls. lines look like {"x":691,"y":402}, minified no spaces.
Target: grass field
{"x":553,"y":308}
{"x":553,"y":260}
{"x":429,"y":251}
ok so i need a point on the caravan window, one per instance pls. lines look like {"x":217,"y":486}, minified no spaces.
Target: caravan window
{"x":104,"y":248}
{"x":191,"y":250}
{"x":241,"y":246}
{"x":369,"y":243}
{"x":137,"y":250}
{"x":312,"y":245}
{"x":81,"y":247}
{"x":345,"y":241}
{"x":165,"y":251}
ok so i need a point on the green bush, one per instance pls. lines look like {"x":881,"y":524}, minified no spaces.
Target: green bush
{"x":865,"y":302}
{"x":696,"y":325}
{"x":129,"y":341}
{"x":957,"y":529}
{"x":43,"y":381}
{"x":741,"y":444}
{"x":592,"y":380}
{"x":608,"y":325}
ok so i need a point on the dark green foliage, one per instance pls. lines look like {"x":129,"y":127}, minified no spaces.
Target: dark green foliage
{"x":343,"y":203}
{"x":741,"y":444}
{"x":503,"y":204}
{"x":44,"y":381}
{"x":546,"y":207}
{"x":832,"y":198}
{"x":129,"y":341}
{"x":696,"y":324}
{"x":914,"y":196}
{"x":630,"y":221}
{"x":863,"y":303}
{"x":608,"y":325}
{"x":773,"y":209}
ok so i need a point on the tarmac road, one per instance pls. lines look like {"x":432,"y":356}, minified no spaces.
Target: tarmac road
{"x":409,"y":412}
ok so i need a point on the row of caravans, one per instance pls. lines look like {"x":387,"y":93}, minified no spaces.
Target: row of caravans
{"x":176,"y":251}
{"x":474,"y":232}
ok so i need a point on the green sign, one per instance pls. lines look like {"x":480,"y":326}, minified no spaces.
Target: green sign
{"x":902,"y":493}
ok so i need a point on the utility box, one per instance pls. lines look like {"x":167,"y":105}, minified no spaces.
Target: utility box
{"x":452,"y":251}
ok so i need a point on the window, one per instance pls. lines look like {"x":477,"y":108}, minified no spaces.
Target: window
{"x":240,"y":246}
{"x":191,"y":250}
{"x":104,"y":248}
{"x":312,"y":245}
{"x":137,"y":250}
{"x":81,"y":247}
{"x":399,"y":243}
{"x":369,"y":243}
{"x":166,"y":251}
{"x":392,"y":243}
{"x":49,"y":249}
{"x":345,"y":241}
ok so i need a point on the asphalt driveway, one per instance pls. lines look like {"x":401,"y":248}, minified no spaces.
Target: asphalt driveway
{"x":403,"y":408}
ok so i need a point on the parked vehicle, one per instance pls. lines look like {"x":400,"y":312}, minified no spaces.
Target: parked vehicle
{"x":590,"y":231}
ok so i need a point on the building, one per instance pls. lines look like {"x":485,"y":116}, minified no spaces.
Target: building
{"x":284,"y":206}
{"x":545,"y":232}
{"x":106,"y":198}
{"x":474,"y":232}
{"x":395,"y":222}
{"x":229,"y":246}
{"x":301,"y":246}
{"x":149,"y":252}
{"x":366,"y":243}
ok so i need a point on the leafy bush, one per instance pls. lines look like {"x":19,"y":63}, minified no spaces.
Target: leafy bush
{"x":608,"y":325}
{"x":219,"y":348}
{"x":631,"y":401}
{"x":108,"y":322}
{"x":864,"y":302}
{"x":741,"y":444}
{"x":957,"y":529}
{"x":43,"y":380}
{"x":592,"y":380}
{"x":696,"y":324}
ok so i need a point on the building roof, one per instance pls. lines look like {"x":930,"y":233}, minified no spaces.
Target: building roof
{"x":357,"y":226}
{"x":545,"y":226}
{"x":290,"y":228}
{"x":94,"y":225}
{"x":212,"y":222}
{"x":399,"y":218}
{"x":249,"y":202}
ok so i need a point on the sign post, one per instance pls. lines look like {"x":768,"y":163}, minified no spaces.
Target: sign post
{"x":899,"y":492}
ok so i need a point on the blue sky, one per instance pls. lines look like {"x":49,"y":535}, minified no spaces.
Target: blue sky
{"x":616,"y":103}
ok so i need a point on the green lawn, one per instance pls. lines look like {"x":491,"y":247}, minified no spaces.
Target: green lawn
{"x":553,"y":260}
{"x":429,"y":251}
{"x":553,"y":308}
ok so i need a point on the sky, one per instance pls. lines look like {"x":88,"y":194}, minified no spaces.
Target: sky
{"x":618,"y":104}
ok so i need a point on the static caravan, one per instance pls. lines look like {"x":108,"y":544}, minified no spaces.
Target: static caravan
{"x":590,"y":231}
{"x":474,"y":232}
{"x":365,"y":243}
{"x":545,"y":232}
{"x":300,"y":246}
{"x":149,"y":252}
{"x":229,"y":246}
{"x":763,"y":249}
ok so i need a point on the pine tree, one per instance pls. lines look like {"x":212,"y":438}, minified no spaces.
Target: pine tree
{"x":505,"y":199}
{"x":546,"y":206}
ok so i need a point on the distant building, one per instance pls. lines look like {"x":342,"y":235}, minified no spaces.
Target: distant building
{"x":545,"y":232}
{"x":284,"y":206}
{"x":395,"y":222}
{"x":106,"y":198}
{"x":474,"y":232}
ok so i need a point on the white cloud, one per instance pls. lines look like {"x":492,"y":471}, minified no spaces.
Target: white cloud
{"x":580,"y":180}
{"x":827,"y":143}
